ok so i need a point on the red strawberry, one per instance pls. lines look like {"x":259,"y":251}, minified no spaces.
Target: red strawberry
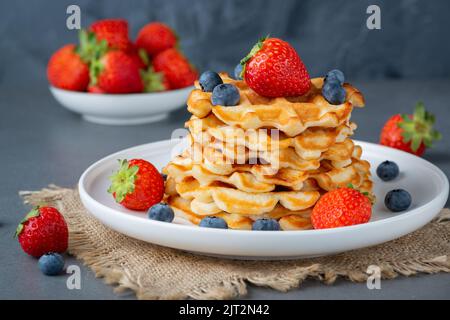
{"x":43,"y":230}
{"x":95,"y":89}
{"x":137,"y":185}
{"x":139,"y":56}
{"x":114,"y":31}
{"x":116,"y":72}
{"x":156,"y":37}
{"x":341,"y":207}
{"x":274,"y":69}
{"x":411,"y":133}
{"x":66,"y":69}
{"x":176,"y":68}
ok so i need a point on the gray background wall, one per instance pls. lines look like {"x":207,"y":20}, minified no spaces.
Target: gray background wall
{"x":413,"y":42}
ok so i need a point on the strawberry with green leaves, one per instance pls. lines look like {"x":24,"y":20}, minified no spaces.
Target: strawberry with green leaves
{"x":411,"y":133}
{"x":137,"y":185}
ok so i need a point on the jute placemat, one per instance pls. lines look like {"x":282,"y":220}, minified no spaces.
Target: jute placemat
{"x":155,"y":272}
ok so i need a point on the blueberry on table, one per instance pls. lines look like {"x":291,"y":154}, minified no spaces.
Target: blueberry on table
{"x":213,"y":222}
{"x":225,"y":95}
{"x":51,"y":264}
{"x":388,"y":170}
{"x":397,"y":200}
{"x":161,"y":212}
{"x":335,"y":75}
{"x":266,"y":225}
{"x":333,"y":92}
{"x":238,"y":71}
{"x":209,"y":80}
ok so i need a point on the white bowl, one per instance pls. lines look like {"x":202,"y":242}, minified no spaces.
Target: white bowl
{"x":122,"y":109}
{"x":427,"y":184}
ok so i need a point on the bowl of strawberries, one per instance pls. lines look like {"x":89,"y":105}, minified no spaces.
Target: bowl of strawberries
{"x":110,"y":79}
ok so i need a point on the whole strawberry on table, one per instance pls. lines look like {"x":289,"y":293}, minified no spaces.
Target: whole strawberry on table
{"x":106,"y":60}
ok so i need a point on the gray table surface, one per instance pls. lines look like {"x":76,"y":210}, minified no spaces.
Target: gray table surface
{"x":42,"y":143}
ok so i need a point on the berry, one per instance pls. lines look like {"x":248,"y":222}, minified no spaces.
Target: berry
{"x":66,"y":69}
{"x":95,"y":89}
{"x":341,"y":207}
{"x":161,"y":212}
{"x":164,"y":176}
{"x":51,"y":264}
{"x":388,"y":170}
{"x":397,"y":200}
{"x":266,"y":225}
{"x":274,"y":69}
{"x":225,"y":95}
{"x":237,"y":71}
{"x":333,"y":92}
{"x":335,"y":75}
{"x":410,"y":133}
{"x":176,"y":68}
{"x":114,"y":31}
{"x":209,"y":80}
{"x":213,"y":222}
{"x":137,"y":185}
{"x":156,"y":37}
{"x":116,"y":72}
{"x":43,"y":230}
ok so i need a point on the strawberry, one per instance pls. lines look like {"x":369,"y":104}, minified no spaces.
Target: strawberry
{"x":95,"y":89}
{"x":66,"y":69}
{"x":274,"y":69}
{"x":411,"y":133}
{"x":116,"y":72}
{"x":137,"y":185}
{"x":43,"y":230}
{"x":341,"y":207}
{"x":114,"y":31}
{"x":176,"y":68}
{"x":139,"y":56}
{"x":156,"y":37}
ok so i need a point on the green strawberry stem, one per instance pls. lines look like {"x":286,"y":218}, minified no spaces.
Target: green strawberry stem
{"x":418,"y":128}
{"x":33,"y":213}
{"x":153,"y":81}
{"x":258,"y":46}
{"x":122,"y":182}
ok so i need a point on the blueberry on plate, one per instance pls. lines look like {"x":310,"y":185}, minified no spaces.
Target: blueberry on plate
{"x":164,"y":176}
{"x":209,"y":80}
{"x":333,"y":91}
{"x":51,"y":264}
{"x":238,"y":71}
{"x":397,"y":200}
{"x":388,"y":170}
{"x":225,"y":95}
{"x":335,"y":75}
{"x":161,"y":212}
{"x":213,"y":222}
{"x":266,"y":225}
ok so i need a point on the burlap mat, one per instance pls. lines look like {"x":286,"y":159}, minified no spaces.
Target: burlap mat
{"x":155,"y":272}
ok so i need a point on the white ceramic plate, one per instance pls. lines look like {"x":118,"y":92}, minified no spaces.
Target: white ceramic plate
{"x":122,"y":109}
{"x":427,"y":184}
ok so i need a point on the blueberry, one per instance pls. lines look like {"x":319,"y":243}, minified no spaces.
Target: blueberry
{"x":238,"y":71}
{"x":161,"y":212}
{"x":209,"y":80}
{"x":164,"y":176}
{"x":397,"y":200}
{"x":387,"y":170}
{"x":335,"y":75}
{"x":213,"y":222}
{"x":266,"y":225}
{"x":51,"y":264}
{"x":333,"y":92}
{"x":225,"y":95}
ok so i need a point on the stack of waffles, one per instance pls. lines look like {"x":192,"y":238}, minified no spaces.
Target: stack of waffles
{"x":265,"y":157}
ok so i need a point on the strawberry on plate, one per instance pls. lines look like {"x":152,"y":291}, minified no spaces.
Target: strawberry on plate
{"x":116,"y":72}
{"x":341,"y":207}
{"x":156,"y":37}
{"x":411,"y":133}
{"x":176,"y":68}
{"x":137,"y":185}
{"x":274,"y":69}
{"x":67,"y":70}
{"x":114,"y":31}
{"x":43,"y":230}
